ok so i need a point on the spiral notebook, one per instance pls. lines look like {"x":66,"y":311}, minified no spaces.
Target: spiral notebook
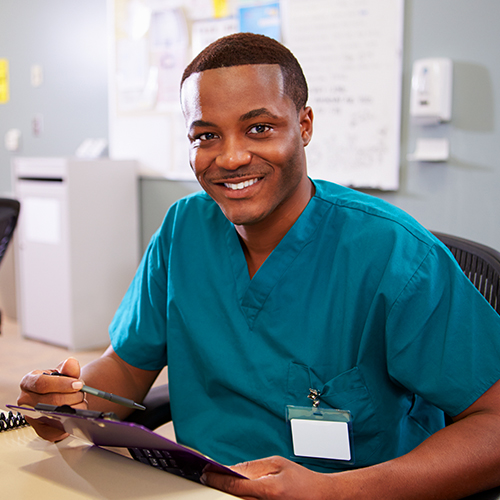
{"x":10,"y":420}
{"x":144,"y":445}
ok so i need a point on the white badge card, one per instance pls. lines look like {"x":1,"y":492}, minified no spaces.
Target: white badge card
{"x":319,"y":433}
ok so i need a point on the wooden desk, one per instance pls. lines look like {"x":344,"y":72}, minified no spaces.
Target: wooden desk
{"x":31,"y":468}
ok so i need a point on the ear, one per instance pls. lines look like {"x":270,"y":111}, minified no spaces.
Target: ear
{"x":306,"y":124}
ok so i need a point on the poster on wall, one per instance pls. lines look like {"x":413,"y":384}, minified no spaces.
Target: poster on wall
{"x":151,"y":52}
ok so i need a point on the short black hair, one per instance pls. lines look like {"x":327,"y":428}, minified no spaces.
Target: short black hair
{"x":249,"y":48}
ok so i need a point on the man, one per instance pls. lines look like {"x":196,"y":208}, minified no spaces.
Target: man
{"x":269,"y":288}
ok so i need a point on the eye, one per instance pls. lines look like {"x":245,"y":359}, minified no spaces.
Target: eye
{"x":206,"y":136}
{"x":259,"y":129}
{"x":202,"y":139}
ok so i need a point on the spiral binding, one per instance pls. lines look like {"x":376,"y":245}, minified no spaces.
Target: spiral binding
{"x":11,"y":420}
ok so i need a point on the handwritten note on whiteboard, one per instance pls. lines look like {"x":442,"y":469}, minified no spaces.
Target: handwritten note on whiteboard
{"x":351,"y":54}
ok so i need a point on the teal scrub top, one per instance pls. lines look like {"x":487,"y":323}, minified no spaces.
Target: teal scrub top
{"x":357,"y":301}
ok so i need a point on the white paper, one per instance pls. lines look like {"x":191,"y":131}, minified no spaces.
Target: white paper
{"x":206,"y":32}
{"x":169,"y":42}
{"x":42,"y":220}
{"x":321,"y":439}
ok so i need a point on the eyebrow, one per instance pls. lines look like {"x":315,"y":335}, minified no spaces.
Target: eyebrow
{"x":202,"y":123}
{"x":256,"y":113}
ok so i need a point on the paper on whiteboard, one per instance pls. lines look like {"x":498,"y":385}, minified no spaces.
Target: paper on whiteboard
{"x":151,"y":53}
{"x":169,"y":43}
{"x":207,"y":31}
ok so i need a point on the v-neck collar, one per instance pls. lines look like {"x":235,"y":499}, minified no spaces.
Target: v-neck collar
{"x":252,"y":293}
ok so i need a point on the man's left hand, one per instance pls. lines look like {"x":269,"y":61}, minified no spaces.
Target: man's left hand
{"x":269,"y":479}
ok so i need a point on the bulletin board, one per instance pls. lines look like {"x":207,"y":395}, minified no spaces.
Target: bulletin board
{"x":350,"y":51}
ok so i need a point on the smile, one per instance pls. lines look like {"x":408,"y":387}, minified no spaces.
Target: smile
{"x":240,"y":185}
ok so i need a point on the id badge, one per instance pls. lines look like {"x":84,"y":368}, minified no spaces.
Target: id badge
{"x":321,"y":433}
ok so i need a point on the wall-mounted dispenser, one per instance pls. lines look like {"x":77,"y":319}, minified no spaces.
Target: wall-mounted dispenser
{"x":431,"y":90}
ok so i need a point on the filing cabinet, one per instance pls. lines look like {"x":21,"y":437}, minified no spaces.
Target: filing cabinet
{"x":77,"y":246}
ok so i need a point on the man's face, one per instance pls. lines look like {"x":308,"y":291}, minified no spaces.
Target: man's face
{"x":247,"y":141}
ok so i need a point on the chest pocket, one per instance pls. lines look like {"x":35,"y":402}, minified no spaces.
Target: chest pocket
{"x":346,"y":391}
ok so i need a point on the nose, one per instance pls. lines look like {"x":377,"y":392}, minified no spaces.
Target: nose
{"x":233,"y":154}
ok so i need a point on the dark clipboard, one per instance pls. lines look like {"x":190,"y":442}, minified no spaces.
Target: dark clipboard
{"x":144,"y":445}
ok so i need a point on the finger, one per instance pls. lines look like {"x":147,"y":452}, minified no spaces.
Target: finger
{"x":54,"y":430}
{"x":259,"y":468}
{"x":45,"y":431}
{"x":230,"y":484}
{"x":245,"y":488}
{"x":41,"y":382}
{"x":40,"y":387}
{"x":55,"y":399}
{"x":262,"y":479}
{"x":70,"y":367}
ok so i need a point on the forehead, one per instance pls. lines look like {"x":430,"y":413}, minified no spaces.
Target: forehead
{"x":238,"y":88}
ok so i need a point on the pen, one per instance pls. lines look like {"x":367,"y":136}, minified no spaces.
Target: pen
{"x":105,"y":395}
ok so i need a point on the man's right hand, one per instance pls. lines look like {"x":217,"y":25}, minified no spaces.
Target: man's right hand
{"x":39,"y":387}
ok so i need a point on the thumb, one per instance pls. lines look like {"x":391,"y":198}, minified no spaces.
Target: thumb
{"x":70,"y":367}
{"x":258,"y":468}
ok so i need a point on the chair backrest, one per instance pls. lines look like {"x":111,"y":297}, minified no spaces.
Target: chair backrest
{"x":9,"y":213}
{"x":480,"y":263}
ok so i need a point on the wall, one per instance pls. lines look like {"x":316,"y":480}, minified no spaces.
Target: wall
{"x":68,"y":39}
{"x":459,"y":197}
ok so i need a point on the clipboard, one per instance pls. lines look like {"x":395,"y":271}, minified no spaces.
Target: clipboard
{"x":144,"y":445}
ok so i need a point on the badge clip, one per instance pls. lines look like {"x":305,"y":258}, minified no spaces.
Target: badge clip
{"x":314,"y":396}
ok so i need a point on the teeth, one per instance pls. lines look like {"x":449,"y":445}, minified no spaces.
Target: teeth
{"x":241,"y":185}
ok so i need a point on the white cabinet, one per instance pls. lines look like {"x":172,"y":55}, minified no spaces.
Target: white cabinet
{"x":77,"y":246}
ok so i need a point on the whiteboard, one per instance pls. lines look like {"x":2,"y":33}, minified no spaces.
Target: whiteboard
{"x":351,"y":54}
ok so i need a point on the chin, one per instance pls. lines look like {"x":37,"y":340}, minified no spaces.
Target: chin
{"x":243,"y":221}
{"x":241,"y":215}
{"x":239,"y":219}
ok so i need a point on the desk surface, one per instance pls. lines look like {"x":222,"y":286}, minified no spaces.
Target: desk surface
{"x":33,"y":468}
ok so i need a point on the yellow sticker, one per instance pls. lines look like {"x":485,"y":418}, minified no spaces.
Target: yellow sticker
{"x":4,"y":81}
{"x":221,"y":8}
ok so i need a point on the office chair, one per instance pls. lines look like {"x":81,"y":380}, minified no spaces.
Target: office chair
{"x":157,"y":412}
{"x":480,"y":263}
{"x":9,"y":213}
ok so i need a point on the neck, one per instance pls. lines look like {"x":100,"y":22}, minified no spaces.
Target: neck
{"x":259,"y":240}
